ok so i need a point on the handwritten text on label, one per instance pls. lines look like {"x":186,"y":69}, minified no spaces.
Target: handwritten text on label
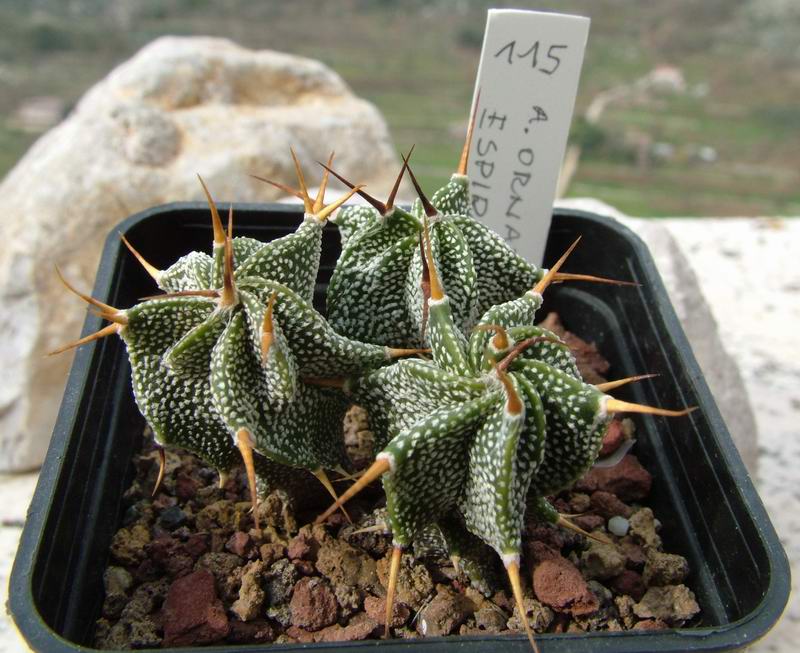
{"x":528,"y":78}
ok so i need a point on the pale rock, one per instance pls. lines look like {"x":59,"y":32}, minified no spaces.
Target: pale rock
{"x":180,"y":106}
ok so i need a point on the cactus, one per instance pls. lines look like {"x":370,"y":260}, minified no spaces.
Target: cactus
{"x":233,"y":356}
{"x":221,"y":358}
{"x":381,"y":269}
{"x":489,"y":421}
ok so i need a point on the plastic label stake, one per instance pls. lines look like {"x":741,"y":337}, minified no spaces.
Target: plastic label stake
{"x":526,"y":87}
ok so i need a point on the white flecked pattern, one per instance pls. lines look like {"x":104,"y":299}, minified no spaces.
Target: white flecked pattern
{"x":379,"y":271}
{"x":534,"y":428}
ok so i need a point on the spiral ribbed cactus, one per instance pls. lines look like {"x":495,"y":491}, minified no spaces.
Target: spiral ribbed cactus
{"x":381,"y":269}
{"x":489,"y":421}
{"x":221,"y":358}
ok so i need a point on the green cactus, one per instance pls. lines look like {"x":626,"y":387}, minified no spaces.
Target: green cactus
{"x":381,"y":269}
{"x":234,"y":356}
{"x":489,"y":420}
{"x":221,"y":358}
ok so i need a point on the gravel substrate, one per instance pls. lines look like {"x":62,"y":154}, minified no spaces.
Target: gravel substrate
{"x":188,"y":568}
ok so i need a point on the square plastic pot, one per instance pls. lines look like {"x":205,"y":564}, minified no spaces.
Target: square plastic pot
{"x":702,"y":494}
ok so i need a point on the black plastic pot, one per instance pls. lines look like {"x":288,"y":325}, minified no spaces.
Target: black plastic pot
{"x":702,"y":493}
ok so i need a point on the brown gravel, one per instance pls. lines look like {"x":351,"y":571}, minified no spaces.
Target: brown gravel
{"x":313,"y":604}
{"x":628,"y":480}
{"x":188,"y":568}
{"x":192,"y":612}
{"x":558,"y":584}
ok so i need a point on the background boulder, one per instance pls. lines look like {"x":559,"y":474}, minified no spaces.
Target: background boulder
{"x":180,"y":106}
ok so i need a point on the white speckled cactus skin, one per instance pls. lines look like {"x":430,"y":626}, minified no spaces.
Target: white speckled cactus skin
{"x":478,"y":426}
{"x":379,"y":270}
{"x":474,"y":438}
{"x":220,"y":359}
{"x":252,"y":387}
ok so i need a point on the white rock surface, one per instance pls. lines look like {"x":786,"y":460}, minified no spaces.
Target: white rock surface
{"x":749,"y":268}
{"x":180,"y":106}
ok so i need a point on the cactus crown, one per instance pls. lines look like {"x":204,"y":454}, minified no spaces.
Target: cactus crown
{"x":219,"y":359}
{"x":506,"y":420}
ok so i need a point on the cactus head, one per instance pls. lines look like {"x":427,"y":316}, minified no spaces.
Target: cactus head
{"x":483,"y":425}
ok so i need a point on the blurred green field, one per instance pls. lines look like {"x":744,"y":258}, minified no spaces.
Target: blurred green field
{"x":417,"y":60}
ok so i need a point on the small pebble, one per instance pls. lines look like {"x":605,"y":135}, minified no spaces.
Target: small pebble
{"x":618,"y":526}
{"x":172,"y":518}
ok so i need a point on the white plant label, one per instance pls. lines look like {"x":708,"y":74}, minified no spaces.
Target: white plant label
{"x":526,"y":87}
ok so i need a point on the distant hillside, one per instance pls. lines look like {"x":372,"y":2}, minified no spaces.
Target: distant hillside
{"x":724,"y":143}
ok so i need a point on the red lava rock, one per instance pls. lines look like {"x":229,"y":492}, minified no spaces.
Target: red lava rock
{"x":176,"y":558}
{"x":178,"y":565}
{"x":271,"y":552}
{"x":591,"y":363}
{"x":630,"y":583}
{"x":250,"y":632}
{"x":196,"y":545}
{"x":559,"y":584}
{"x":185,"y":487}
{"x":555,"y":538}
{"x":375,"y":608}
{"x":628,"y":480}
{"x":634,"y":554}
{"x":162,"y":549}
{"x":539,"y":551}
{"x":299,"y":547}
{"x":608,"y":505}
{"x":360,"y":627}
{"x":313,"y":604}
{"x":589,"y":522}
{"x":300,"y":635}
{"x":561,"y":505}
{"x":305,"y":567}
{"x":148,"y":570}
{"x":192,"y":612}
{"x":612,"y":439}
{"x":338,"y":575}
{"x":239,"y":544}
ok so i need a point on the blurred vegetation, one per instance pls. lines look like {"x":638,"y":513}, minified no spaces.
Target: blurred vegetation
{"x":416,"y":60}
